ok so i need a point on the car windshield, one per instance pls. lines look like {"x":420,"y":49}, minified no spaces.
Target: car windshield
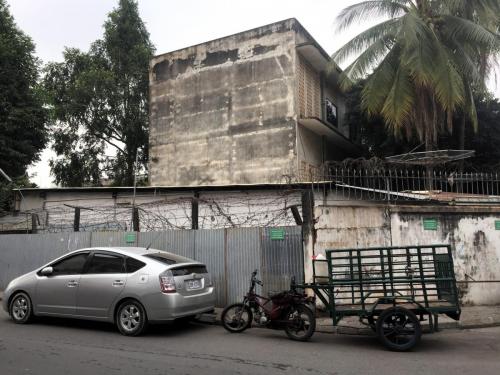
{"x":167,"y":258}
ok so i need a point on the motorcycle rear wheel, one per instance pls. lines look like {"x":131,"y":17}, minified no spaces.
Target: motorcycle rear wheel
{"x":301,"y":323}
{"x":236,"y":318}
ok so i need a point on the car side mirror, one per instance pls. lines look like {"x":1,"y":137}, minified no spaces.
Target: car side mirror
{"x":47,"y":271}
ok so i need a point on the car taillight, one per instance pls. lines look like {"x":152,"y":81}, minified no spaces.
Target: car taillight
{"x":167,"y":282}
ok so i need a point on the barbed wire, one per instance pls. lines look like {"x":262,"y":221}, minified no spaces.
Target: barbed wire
{"x":217,"y":210}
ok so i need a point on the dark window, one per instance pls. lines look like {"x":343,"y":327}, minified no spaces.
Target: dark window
{"x":134,"y":265}
{"x":106,"y":263}
{"x":72,"y":265}
{"x":188,"y":270}
{"x":168,"y":258}
{"x":331,"y":113}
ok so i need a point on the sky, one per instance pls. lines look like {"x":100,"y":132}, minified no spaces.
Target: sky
{"x":172,"y":24}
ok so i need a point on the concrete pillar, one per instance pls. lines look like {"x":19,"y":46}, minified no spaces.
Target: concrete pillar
{"x":308,"y":232}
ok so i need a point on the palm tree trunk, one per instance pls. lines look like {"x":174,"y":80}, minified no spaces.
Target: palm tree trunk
{"x":431,"y":140}
{"x":461,"y":139}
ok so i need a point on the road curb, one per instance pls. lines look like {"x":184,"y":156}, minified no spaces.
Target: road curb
{"x":361,"y":331}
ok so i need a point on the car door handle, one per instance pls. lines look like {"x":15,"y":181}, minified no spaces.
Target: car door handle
{"x":117,"y":283}
{"x":72,"y":284}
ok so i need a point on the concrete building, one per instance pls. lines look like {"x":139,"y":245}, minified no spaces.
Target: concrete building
{"x":260,"y":106}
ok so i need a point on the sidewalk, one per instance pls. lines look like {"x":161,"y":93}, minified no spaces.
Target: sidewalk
{"x":472,"y":317}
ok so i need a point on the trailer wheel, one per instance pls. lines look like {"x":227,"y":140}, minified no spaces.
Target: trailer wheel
{"x":398,"y":329}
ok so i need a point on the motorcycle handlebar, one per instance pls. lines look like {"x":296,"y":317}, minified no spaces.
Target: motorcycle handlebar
{"x":255,"y":280}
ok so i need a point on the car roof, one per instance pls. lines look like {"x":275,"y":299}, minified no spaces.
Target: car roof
{"x":140,"y":251}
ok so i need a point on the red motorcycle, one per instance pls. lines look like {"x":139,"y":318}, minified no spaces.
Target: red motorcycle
{"x":288,"y":310}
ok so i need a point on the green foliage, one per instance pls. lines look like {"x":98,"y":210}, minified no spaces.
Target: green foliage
{"x":378,"y":141}
{"x":22,"y":117}
{"x":485,"y":140}
{"x":6,"y":193}
{"x":99,"y":103}
{"x":423,"y":63}
{"x":23,"y":133}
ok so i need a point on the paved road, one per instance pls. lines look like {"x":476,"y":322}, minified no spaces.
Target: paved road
{"x":54,"y":346}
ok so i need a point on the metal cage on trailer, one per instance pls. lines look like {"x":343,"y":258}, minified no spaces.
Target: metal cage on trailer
{"x":391,"y":289}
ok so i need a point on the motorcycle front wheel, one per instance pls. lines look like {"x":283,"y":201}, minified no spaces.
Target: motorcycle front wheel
{"x":301,"y":323}
{"x":236,"y":317}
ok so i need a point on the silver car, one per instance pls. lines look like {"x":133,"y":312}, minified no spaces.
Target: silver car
{"x":129,"y":286}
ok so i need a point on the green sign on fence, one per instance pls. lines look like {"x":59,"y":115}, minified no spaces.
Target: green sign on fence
{"x":430,"y":224}
{"x":277,"y":234}
{"x":497,"y":224}
{"x":130,"y":237}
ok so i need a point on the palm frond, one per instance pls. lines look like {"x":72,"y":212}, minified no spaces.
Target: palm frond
{"x":470,"y":107}
{"x":398,"y":105}
{"x":367,"y":60}
{"x":466,"y":61}
{"x":418,"y":48}
{"x":379,"y":84}
{"x":465,"y":7}
{"x":469,"y":32}
{"x":371,"y":9}
{"x":384,"y":30}
{"x":448,"y":86}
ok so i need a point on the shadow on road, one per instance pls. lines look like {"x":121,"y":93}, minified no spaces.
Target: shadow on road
{"x":435,"y":343}
{"x":168,"y":329}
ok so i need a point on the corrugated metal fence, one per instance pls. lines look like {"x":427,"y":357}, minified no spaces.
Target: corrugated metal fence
{"x":230,"y":254}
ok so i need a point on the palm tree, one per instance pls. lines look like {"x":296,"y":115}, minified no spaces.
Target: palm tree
{"x":421,"y":61}
{"x":485,"y":13}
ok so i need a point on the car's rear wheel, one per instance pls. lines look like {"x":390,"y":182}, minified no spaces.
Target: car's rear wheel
{"x":131,"y":318}
{"x":20,"y":308}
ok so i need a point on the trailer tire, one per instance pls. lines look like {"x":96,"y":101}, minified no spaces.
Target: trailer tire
{"x":398,"y":329}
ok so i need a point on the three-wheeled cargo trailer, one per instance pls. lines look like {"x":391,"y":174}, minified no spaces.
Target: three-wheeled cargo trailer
{"x":390,"y":289}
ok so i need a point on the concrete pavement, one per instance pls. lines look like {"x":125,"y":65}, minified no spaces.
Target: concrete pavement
{"x":472,"y":317}
{"x":59,"y":346}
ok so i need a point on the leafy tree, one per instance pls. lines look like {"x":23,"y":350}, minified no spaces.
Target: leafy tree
{"x":487,"y":138}
{"x":99,"y":103}
{"x":377,"y":141}
{"x":484,"y":13}
{"x":23,"y":133}
{"x":421,"y":62}
{"x":374,"y":138}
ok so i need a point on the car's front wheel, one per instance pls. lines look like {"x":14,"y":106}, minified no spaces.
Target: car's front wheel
{"x":20,"y":308}
{"x":131,"y":318}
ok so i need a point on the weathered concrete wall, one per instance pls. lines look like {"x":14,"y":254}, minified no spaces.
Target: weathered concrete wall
{"x":474,"y":240}
{"x":309,"y":148}
{"x":223,"y":112}
{"x":470,"y":231}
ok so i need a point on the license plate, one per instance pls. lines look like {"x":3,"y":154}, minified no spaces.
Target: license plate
{"x":193,"y":284}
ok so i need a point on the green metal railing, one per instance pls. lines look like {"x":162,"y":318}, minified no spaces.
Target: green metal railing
{"x":358,"y":279}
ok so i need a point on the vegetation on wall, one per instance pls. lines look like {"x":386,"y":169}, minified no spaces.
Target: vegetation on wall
{"x":99,"y":104}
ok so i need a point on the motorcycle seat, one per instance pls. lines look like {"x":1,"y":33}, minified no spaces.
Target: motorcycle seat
{"x":275,"y":295}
